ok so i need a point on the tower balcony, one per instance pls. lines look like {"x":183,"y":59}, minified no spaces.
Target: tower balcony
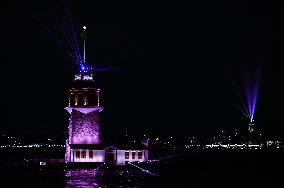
{"x":84,"y":97}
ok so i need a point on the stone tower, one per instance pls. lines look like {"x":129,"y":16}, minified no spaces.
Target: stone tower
{"x":84,"y":108}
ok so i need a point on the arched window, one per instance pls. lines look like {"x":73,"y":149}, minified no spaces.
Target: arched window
{"x":133,"y":154}
{"x":91,"y":154}
{"x":77,"y":153}
{"x":83,"y":154}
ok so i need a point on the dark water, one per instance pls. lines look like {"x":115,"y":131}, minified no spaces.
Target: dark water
{"x":206,"y":169}
{"x":124,"y":176}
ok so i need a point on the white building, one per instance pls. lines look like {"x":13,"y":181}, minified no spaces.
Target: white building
{"x":110,"y":154}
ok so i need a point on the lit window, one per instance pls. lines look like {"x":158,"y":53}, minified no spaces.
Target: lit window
{"x":77,"y":154}
{"x":85,"y":98}
{"x":76,"y":100}
{"x":140,"y":154}
{"x":83,"y":154}
{"x":91,"y":153}
{"x":126,"y":155}
{"x":133,"y":155}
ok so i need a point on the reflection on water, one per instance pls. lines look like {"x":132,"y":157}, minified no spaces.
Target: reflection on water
{"x":201,"y":170}
{"x":82,"y":178}
{"x":104,"y":177}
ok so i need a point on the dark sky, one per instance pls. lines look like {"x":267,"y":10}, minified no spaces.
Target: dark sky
{"x":179,"y":65}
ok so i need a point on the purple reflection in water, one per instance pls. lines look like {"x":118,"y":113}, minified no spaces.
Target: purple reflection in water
{"x":106,"y":177}
{"x":82,"y":178}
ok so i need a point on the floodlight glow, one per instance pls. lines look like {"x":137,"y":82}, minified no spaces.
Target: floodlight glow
{"x":252,"y":90}
{"x":143,"y":170}
{"x":251,"y":93}
{"x":84,"y":27}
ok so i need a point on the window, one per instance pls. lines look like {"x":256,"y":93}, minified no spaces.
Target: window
{"x":126,"y":155}
{"x":77,"y":153}
{"x":133,"y":154}
{"x":76,"y":100}
{"x":140,"y":154}
{"x":80,"y":99}
{"x":91,"y":153}
{"x":83,"y":154}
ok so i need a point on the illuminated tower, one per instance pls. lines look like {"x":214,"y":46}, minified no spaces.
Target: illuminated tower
{"x":251,"y":126}
{"x":84,"y":108}
{"x":83,"y":143}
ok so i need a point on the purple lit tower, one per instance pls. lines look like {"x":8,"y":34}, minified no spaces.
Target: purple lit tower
{"x":83,"y":143}
{"x":84,"y":108}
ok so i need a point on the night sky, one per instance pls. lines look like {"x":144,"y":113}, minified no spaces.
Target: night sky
{"x":178,"y":67}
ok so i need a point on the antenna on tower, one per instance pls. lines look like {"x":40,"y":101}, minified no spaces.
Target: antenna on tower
{"x":84,"y":68}
{"x":84,"y":39}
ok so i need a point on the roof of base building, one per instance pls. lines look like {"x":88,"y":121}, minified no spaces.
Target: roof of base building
{"x":111,"y":147}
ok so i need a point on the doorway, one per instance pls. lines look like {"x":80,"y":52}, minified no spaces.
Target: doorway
{"x":110,"y":157}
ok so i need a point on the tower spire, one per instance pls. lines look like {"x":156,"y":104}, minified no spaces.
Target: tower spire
{"x":84,"y":39}
{"x":85,"y":70}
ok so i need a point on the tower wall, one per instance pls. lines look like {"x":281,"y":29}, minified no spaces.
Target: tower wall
{"x":84,"y":128}
{"x":84,"y":108}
